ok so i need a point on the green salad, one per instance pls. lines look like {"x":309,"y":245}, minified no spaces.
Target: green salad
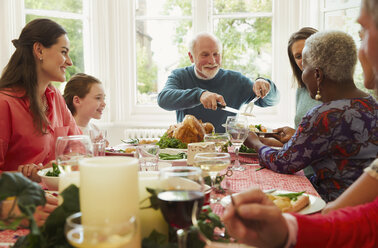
{"x":168,"y":142}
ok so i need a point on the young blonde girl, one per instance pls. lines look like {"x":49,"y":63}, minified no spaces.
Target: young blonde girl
{"x":85,"y":97}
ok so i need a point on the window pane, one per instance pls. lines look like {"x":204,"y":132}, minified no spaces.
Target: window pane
{"x":345,"y":20}
{"x":163,"y":7}
{"x":241,"y":6}
{"x":74,"y":6}
{"x":158,"y":54}
{"x":340,"y":3}
{"x":246,"y":45}
{"x":74,"y":30}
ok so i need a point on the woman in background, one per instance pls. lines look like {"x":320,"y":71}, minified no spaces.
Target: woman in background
{"x":33,"y":112}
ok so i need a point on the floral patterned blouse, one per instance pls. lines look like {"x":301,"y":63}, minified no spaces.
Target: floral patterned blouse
{"x":338,"y":139}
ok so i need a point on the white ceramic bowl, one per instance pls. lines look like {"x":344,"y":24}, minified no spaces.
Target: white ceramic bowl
{"x":52,"y":183}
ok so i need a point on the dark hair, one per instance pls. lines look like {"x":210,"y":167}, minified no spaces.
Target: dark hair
{"x":302,"y":34}
{"x":21,"y":74}
{"x":79,"y":85}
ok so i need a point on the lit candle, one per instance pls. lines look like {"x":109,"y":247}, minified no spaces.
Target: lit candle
{"x":107,"y":192}
{"x":150,"y":219}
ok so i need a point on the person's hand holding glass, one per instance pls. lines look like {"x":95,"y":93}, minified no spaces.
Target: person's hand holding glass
{"x":213,"y":163}
{"x":181,"y":188}
{"x":237,"y":128}
{"x":69,"y":149}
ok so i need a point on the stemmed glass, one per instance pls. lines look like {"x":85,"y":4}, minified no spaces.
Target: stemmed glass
{"x":213,"y":163}
{"x":181,"y":187}
{"x":112,"y":235}
{"x":69,"y":149}
{"x":237,"y":128}
{"x":220,"y":139}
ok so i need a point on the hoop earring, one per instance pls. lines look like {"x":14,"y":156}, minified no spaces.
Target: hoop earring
{"x":318,"y":96}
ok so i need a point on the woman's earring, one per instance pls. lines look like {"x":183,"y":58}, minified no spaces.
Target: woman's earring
{"x":40,"y":58}
{"x":318,"y":96}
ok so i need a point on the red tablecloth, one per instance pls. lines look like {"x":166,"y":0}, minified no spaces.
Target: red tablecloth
{"x":239,"y":181}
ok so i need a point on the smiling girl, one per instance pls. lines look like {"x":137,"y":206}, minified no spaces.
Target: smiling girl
{"x":85,"y":97}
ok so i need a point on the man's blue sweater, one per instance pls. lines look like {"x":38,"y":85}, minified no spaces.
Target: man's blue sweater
{"x":183,"y":90}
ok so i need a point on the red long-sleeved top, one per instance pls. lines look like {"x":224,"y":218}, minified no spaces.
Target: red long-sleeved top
{"x":347,"y":227}
{"x":20,"y":143}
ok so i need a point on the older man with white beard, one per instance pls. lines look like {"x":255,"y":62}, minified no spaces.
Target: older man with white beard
{"x":198,"y":88}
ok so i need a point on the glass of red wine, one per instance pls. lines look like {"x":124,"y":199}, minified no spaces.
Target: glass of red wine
{"x":181,"y":188}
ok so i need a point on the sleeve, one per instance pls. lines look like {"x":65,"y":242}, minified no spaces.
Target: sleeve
{"x":175,"y":97}
{"x":348,"y":227}
{"x":306,"y":146}
{"x":272,"y":98}
{"x":5,"y":127}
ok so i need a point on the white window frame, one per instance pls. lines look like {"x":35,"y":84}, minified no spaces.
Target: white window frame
{"x":110,"y":55}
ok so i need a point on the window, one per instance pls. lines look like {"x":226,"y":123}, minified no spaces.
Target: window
{"x":164,"y":28}
{"x":69,"y":14}
{"x":342,"y":15}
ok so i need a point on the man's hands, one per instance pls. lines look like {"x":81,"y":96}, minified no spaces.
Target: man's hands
{"x":261,"y":87}
{"x":255,"y":220}
{"x":209,"y":100}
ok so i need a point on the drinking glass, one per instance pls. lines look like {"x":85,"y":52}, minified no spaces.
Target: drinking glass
{"x":69,"y":149}
{"x":237,"y":128}
{"x":213,"y":163}
{"x":99,"y":141}
{"x":181,"y":187}
{"x":148,"y":156}
{"x":220,"y":139}
{"x":111,"y":235}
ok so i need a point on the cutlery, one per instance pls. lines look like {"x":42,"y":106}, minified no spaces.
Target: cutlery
{"x":228,"y":109}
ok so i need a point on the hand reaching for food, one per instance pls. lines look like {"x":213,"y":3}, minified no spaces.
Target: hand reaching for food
{"x":284,"y":134}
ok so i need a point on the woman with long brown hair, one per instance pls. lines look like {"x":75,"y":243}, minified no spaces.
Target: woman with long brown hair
{"x":33,"y":112}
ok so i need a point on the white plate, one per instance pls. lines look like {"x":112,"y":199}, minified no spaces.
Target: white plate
{"x":316,"y":203}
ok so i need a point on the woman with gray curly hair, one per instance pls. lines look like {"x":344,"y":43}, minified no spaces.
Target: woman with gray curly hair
{"x":338,"y":138}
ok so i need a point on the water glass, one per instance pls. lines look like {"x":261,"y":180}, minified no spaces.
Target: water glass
{"x":237,"y":128}
{"x":99,"y":141}
{"x":69,"y":149}
{"x":110,"y":235}
{"x":148,"y":156}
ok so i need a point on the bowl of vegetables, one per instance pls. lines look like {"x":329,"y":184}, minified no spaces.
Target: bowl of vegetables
{"x":50,"y":177}
{"x":176,"y":157}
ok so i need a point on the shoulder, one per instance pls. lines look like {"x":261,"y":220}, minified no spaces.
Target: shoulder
{"x":183,"y":71}
{"x":234,"y":76}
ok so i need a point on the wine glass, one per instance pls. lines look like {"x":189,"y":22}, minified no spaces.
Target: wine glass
{"x":69,"y":149}
{"x":213,"y":163}
{"x":220,"y":139}
{"x":111,"y":235}
{"x":237,"y":128}
{"x":181,"y":187}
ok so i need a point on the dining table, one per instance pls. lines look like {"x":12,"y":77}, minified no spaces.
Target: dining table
{"x":252,"y":176}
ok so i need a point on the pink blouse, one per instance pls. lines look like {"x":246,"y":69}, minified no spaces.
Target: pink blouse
{"x":20,"y":143}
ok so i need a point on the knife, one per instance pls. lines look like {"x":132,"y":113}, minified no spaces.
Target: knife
{"x":228,"y":109}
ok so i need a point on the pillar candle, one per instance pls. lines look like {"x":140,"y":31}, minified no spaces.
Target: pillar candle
{"x":150,"y":218}
{"x":107,"y":192}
